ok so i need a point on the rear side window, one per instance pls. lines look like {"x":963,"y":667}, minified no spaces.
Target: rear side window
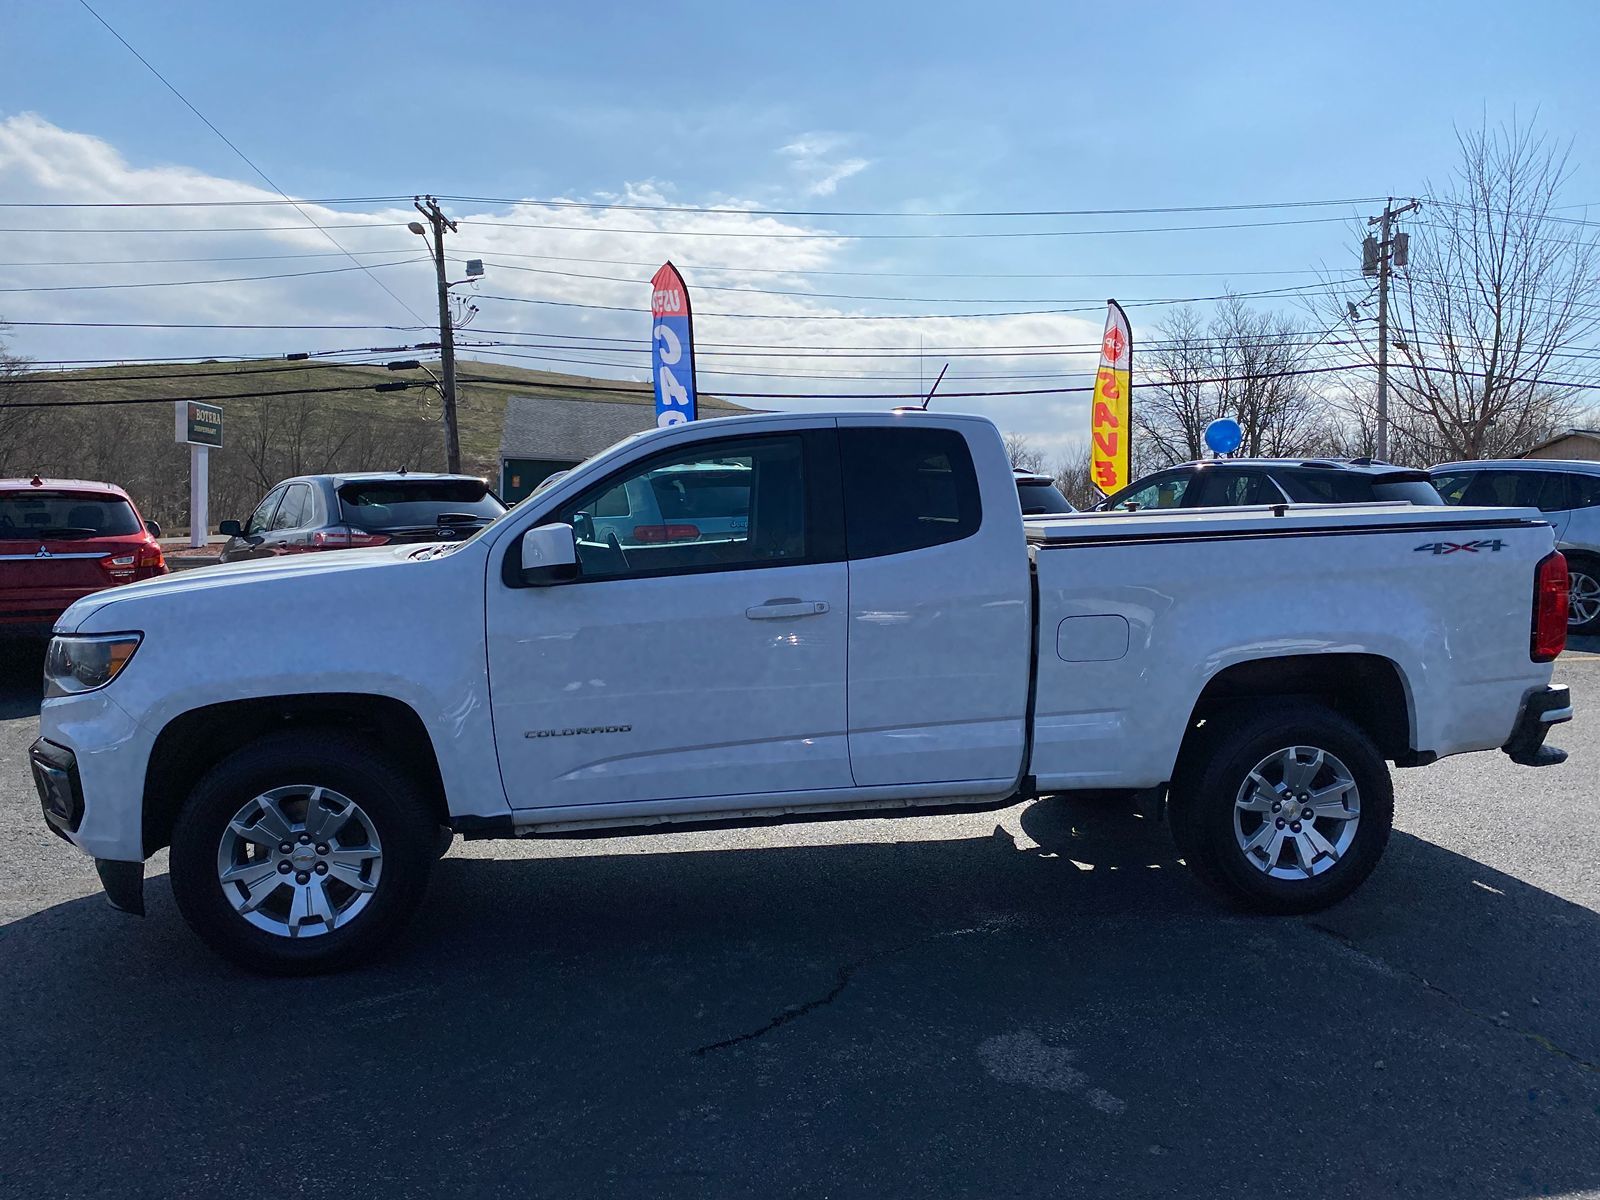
{"x":907,"y":489}
{"x":35,"y":514}
{"x":295,"y":511}
{"x":1223,"y":488}
{"x":1583,"y":491}
{"x":1326,"y":487}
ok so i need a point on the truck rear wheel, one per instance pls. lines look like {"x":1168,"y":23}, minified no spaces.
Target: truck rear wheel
{"x":304,"y":851}
{"x":1284,"y":809}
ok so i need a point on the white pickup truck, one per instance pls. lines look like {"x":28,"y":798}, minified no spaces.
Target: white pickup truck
{"x":866,"y":628}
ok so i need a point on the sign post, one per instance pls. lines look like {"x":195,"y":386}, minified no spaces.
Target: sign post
{"x":199,"y":426}
{"x":672,"y":348}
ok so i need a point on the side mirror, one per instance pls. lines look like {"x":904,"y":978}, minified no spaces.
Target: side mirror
{"x":231,"y":529}
{"x":153,"y":528}
{"x":549,"y":555}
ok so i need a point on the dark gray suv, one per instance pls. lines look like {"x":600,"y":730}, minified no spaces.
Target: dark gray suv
{"x":1228,"y":482}
{"x":340,"y":512}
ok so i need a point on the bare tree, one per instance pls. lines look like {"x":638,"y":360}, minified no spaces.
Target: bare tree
{"x":16,"y":423}
{"x":1242,"y":364}
{"x":1073,"y":478}
{"x":1024,"y":455}
{"x":1499,"y":290}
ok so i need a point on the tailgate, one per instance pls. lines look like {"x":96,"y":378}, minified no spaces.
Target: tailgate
{"x":38,"y":582}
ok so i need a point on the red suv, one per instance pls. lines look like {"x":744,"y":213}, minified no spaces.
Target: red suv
{"x":61,"y":539}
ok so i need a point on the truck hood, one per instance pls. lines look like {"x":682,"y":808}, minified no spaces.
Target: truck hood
{"x":238,"y":586}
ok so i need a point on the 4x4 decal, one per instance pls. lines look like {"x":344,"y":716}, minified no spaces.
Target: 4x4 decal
{"x":1490,"y":544}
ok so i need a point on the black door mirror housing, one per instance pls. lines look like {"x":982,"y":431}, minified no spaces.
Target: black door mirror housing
{"x":230,"y":529}
{"x":153,"y":528}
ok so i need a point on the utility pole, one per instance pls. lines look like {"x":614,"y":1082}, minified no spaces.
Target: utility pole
{"x":429,"y":208}
{"x":1376,"y":258}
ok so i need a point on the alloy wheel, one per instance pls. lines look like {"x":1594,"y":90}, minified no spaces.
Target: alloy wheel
{"x":299,"y":861}
{"x":1296,"y":813}
{"x":1583,"y":600}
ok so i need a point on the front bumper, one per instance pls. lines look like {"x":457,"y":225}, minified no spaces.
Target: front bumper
{"x":1541,"y":709}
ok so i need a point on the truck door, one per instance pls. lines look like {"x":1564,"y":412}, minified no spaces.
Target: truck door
{"x":701,"y":652}
{"x":940,"y":604}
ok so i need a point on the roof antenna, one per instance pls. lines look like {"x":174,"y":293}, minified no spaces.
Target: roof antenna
{"x":935,"y":387}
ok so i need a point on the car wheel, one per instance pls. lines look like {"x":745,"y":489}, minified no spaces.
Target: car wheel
{"x":1583,"y":600}
{"x":304,"y":851}
{"x":1284,"y":808}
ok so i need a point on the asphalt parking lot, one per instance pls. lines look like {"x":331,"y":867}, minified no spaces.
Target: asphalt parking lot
{"x":1035,"y":1002}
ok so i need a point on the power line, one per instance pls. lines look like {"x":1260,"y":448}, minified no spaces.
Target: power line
{"x":861,"y":237}
{"x":704,"y":210}
{"x":242,"y":155}
{"x":118,"y":231}
{"x":102,"y":287}
{"x":808,"y":295}
{"x":737,"y":211}
{"x":197,"y":203}
{"x":1087,"y":306}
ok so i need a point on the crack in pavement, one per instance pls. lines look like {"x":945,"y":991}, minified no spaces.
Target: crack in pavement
{"x":842,"y":981}
{"x":1383,"y":964}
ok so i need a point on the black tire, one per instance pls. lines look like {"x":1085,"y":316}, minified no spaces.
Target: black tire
{"x":1582,"y":564}
{"x":405,"y":825}
{"x":1215,"y":769}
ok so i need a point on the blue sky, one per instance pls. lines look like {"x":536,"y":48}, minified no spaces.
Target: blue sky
{"x":892,"y":108}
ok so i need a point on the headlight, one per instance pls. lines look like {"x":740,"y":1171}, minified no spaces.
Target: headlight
{"x":78,"y":663}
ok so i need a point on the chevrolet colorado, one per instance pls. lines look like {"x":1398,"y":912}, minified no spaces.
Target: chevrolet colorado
{"x":866,"y":628}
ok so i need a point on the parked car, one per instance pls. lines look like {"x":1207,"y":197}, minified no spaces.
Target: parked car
{"x":1566,"y":491}
{"x":339,"y":512}
{"x":1229,"y":482}
{"x":61,"y":539}
{"x":1039,"y":495}
{"x":885,"y":636}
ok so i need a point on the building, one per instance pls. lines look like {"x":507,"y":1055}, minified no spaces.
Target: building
{"x":546,"y":432}
{"x":1574,"y":443}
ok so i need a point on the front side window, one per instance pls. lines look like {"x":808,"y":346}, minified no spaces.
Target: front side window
{"x":717,"y":505}
{"x":263,"y":514}
{"x":1164,"y":491}
{"x":1453,"y":487}
{"x":1545,"y":490}
{"x":906,"y":489}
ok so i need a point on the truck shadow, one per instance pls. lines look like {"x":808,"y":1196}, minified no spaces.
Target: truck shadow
{"x":973,"y":1015}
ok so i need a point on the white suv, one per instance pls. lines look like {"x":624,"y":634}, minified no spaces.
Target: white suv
{"x":1567,"y":491}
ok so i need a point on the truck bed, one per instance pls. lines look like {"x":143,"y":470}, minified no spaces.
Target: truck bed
{"x":1139,"y":611}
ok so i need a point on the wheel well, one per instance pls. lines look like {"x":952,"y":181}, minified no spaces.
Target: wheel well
{"x":193,"y":743}
{"x":1366,"y":688}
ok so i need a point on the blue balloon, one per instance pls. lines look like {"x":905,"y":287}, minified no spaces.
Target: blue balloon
{"x":1223,"y":436}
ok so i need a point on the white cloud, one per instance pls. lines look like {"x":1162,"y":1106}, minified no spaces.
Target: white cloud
{"x":812,"y":159}
{"x":533,"y":251}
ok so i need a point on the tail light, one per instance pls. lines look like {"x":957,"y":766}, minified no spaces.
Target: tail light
{"x":150,"y":562}
{"x":1550,"y":594}
{"x":120,"y":567}
{"x":342,"y":537}
{"x":665,"y":533}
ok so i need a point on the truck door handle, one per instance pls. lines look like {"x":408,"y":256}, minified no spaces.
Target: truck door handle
{"x":786,"y":606}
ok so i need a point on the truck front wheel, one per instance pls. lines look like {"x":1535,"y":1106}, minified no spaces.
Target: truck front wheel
{"x":304,"y":851}
{"x":1283,"y":809}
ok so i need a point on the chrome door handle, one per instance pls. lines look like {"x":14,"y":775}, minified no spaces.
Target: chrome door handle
{"x":786,"y":606}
